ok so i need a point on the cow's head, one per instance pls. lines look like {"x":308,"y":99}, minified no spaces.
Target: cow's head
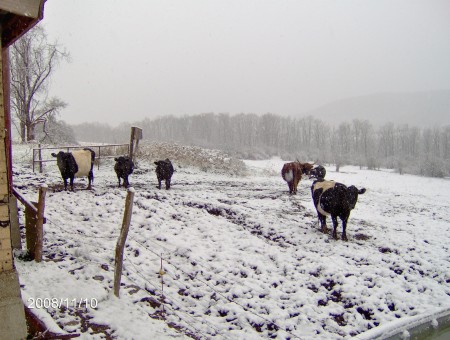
{"x":58,"y":155}
{"x":306,"y":168}
{"x":121,"y":159}
{"x":353,"y":193}
{"x":318,"y":172}
{"x":62,"y":158}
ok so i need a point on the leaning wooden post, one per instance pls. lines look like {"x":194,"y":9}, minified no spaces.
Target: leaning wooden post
{"x":40,"y":224}
{"x":122,"y":238}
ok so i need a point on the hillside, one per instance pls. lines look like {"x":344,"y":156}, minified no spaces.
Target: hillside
{"x":425,"y":109}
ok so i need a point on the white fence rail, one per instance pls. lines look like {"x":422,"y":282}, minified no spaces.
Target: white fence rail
{"x":37,"y":153}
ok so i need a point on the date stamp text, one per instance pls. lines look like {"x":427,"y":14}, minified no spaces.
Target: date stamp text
{"x":56,"y":303}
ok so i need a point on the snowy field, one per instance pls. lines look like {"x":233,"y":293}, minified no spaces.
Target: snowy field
{"x":242,"y":258}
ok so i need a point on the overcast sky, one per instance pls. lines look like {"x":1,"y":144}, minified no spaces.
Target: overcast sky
{"x":147,"y":58}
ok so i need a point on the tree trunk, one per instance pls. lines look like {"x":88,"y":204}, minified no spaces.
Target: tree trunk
{"x":30,"y":132}
{"x":23,"y":130}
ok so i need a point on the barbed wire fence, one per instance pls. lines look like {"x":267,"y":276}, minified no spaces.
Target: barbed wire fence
{"x":172,"y":305}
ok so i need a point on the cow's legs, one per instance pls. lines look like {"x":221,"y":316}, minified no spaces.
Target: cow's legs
{"x":65,"y":184}
{"x":167,"y":184}
{"x":335,"y":223}
{"x":126,"y":184}
{"x":90,"y":180}
{"x":295,"y":186}
{"x":291,"y":187}
{"x":344,"y":227}
{"x":159,"y":183}
{"x":323,"y":223}
{"x":71,"y":183}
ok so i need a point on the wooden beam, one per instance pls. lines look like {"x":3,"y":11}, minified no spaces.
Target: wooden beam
{"x":13,"y":25}
{"x":25,"y":8}
{"x":24,"y":201}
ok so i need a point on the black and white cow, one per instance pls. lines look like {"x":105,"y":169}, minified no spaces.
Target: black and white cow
{"x":124,"y":167}
{"x":77,"y":163}
{"x":164,"y":171}
{"x":335,"y":199}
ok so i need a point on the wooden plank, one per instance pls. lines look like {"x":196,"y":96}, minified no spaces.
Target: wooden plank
{"x":25,"y":8}
{"x":5,"y":233}
{"x":5,"y":259}
{"x":24,"y":201}
{"x":16,"y":241}
{"x":40,"y":224}
{"x":37,"y":328}
{"x":29,"y":206}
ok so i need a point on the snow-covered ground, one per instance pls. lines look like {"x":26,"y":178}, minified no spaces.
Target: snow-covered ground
{"x":242,"y":258}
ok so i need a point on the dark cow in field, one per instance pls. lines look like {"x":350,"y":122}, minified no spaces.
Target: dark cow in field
{"x":292,"y":174}
{"x":335,"y":199}
{"x":124,"y":167}
{"x":318,"y":172}
{"x":164,"y":171}
{"x":77,"y":163}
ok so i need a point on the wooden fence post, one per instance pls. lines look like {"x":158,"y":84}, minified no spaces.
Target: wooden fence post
{"x":122,"y":238}
{"x":136,"y":135}
{"x":40,"y":159}
{"x":131,"y":151}
{"x":40,"y":224}
{"x":136,"y":147}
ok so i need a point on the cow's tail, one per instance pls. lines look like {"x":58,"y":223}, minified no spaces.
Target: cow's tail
{"x":92,"y":154}
{"x":91,"y":173}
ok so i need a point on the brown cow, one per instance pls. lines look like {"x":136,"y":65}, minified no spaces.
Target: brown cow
{"x":292,"y":174}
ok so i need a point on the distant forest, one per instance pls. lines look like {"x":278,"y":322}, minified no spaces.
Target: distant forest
{"x":411,"y":149}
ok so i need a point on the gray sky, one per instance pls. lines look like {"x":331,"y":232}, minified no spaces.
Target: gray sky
{"x":147,"y":58}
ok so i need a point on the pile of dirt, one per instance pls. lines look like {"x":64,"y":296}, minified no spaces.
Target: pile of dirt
{"x":207,"y":160}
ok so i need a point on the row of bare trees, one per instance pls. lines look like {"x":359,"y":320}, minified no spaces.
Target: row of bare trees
{"x":406,"y":148}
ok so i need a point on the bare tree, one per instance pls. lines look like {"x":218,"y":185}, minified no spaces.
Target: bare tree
{"x":341,"y":144}
{"x":33,"y":61}
{"x":55,"y":131}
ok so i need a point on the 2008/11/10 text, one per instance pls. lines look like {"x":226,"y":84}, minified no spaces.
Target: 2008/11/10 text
{"x":56,"y":303}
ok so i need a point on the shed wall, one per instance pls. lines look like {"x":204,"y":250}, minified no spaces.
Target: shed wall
{"x":6,"y":262}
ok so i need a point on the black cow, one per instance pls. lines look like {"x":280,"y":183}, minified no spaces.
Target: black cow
{"x":164,"y":171}
{"x":318,"y":172}
{"x":124,"y":167}
{"x":77,"y":163}
{"x":335,"y":199}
